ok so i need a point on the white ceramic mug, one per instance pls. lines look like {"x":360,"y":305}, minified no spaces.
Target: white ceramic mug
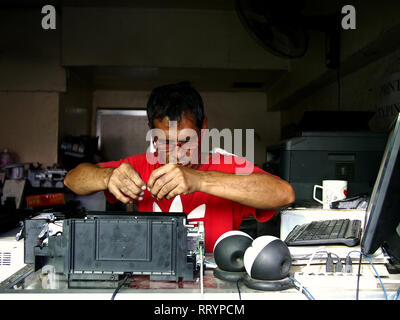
{"x":332,"y":190}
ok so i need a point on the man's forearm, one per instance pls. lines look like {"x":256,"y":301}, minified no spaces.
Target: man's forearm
{"x":88,"y":178}
{"x":257,"y":190}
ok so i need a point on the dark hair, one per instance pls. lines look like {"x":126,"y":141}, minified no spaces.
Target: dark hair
{"x":172,"y":101}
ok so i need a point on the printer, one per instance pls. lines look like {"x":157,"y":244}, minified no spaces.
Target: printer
{"x":312,"y":156}
{"x":96,"y":248}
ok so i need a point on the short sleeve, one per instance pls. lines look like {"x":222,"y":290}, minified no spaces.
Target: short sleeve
{"x":259,"y":214}
{"x":263,"y":215}
{"x":233,"y":164}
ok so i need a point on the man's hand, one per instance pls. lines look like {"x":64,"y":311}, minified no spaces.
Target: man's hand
{"x":171,"y":180}
{"x":126,"y":183}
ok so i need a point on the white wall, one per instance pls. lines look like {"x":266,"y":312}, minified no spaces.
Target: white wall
{"x":30,"y":81}
{"x":29,"y":125}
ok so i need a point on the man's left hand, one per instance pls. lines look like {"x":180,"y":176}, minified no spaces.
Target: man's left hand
{"x":171,"y":180}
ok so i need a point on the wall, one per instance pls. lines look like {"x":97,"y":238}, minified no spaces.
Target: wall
{"x":29,"y":125}
{"x":29,"y":56}
{"x":376,"y":36}
{"x":30,"y":81}
{"x":244,"y":110}
{"x":75,"y":107}
{"x":368,"y":54}
{"x":360,"y":91}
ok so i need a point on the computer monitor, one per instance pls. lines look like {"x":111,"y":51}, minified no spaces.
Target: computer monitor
{"x":383,"y":213}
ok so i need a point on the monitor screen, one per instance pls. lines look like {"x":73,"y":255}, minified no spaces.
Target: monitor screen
{"x":383,"y":213}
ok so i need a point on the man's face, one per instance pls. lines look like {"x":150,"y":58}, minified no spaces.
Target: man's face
{"x":179,"y":141}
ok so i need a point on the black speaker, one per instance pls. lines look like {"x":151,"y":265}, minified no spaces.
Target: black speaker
{"x":229,"y":251}
{"x":267,"y":262}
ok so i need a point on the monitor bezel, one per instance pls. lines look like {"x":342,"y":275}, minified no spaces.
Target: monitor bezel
{"x":376,"y":217}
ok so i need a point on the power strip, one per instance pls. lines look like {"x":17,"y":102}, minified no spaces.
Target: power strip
{"x":316,"y":276}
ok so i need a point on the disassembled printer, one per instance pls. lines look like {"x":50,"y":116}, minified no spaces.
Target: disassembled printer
{"x":101,"y":247}
{"x":46,"y":178}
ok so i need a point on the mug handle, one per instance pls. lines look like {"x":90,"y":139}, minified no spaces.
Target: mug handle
{"x":314,"y":194}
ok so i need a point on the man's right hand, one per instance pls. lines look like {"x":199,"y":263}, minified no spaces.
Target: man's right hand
{"x":126,"y":184}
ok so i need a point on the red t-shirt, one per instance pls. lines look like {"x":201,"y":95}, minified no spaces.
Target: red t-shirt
{"x":221,"y":215}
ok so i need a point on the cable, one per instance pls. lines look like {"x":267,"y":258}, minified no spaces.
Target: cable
{"x":339,"y":265}
{"x":329,"y":254}
{"x":397,"y":295}
{"x":317,"y":250}
{"x":358,"y":277}
{"x":120,"y":285}
{"x":337,"y":257}
{"x":237,"y":286}
{"x":312,"y":257}
{"x":329,"y":263}
{"x":373,"y":267}
{"x":201,"y":269}
{"x":349,"y":265}
{"x":303,"y":289}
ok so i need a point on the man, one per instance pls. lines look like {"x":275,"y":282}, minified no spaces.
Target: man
{"x":224,"y":187}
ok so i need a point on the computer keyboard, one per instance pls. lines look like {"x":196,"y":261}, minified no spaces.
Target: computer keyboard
{"x":343,"y":231}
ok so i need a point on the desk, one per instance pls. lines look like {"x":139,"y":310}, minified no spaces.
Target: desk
{"x":35,"y":285}
{"x":44,"y":284}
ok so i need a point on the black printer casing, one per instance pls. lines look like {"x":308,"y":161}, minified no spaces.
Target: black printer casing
{"x":105,"y":245}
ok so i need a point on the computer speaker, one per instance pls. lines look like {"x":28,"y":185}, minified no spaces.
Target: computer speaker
{"x":229,"y":250}
{"x":268,"y":258}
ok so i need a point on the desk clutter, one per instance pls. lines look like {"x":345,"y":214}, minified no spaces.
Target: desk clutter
{"x":268,"y":264}
{"x":26,"y":189}
{"x":96,"y":250}
{"x":344,"y":269}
